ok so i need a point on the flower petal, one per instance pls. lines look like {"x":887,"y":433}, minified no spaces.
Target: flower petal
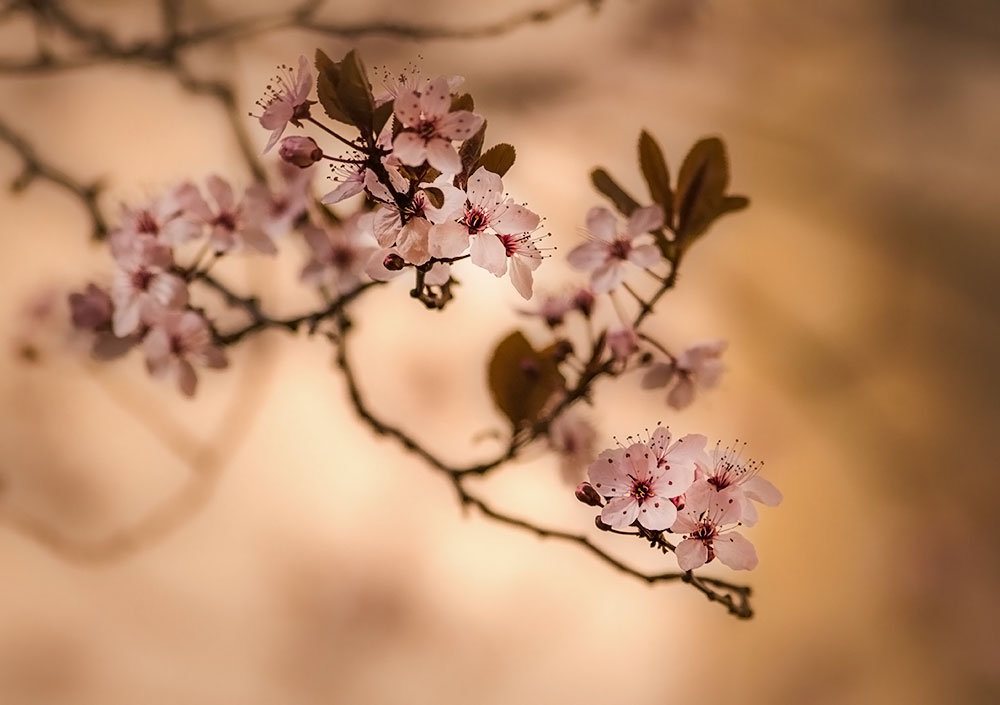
{"x":488,"y":252}
{"x":735,"y":551}
{"x":443,"y":157}
{"x":644,"y":220}
{"x":620,"y":512}
{"x":409,"y":148}
{"x":435,"y":100}
{"x":459,"y":125}
{"x":485,"y":189}
{"x":448,"y":239}
{"x":602,"y":223}
{"x":645,"y":256}
{"x":657,"y":513}
{"x":514,"y":220}
{"x":407,"y":108}
{"x":761,"y":490}
{"x":691,"y":554}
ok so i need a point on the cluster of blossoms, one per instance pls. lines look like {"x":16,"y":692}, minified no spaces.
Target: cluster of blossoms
{"x":659,"y":486}
{"x":431,"y":207}
{"x":432,"y":197}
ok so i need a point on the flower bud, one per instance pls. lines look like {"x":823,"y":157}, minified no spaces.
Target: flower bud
{"x":91,"y":310}
{"x":583,"y":301}
{"x":623,"y":342}
{"x":300,"y":151}
{"x":393,"y":262}
{"x":561,"y":350}
{"x":586,"y":493}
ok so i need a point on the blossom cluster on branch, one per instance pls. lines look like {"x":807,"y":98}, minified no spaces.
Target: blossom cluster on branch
{"x":417,"y":191}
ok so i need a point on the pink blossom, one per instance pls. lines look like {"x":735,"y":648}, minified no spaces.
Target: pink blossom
{"x":641,"y":480}
{"x":286,"y":101}
{"x":353,"y":178}
{"x":339,"y":253}
{"x":275,"y":212}
{"x":411,"y":82}
{"x":728,"y":470}
{"x":176,"y":342}
{"x":233,"y":224}
{"x":142,"y":287}
{"x":708,"y":531}
{"x":429,"y":126}
{"x":165,"y":218}
{"x":609,"y":249}
{"x":698,"y":366}
{"x":487,"y":208}
{"x":573,"y":437}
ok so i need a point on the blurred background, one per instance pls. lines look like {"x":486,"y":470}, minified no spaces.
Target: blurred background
{"x":257,"y":545}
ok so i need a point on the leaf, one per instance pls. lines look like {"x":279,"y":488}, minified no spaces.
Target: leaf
{"x":435,"y":196}
{"x":382,"y":115}
{"x":606,"y":185}
{"x":463,"y":102}
{"x":732,"y":204}
{"x":327,"y":78}
{"x":355,"y":93}
{"x":470,"y":151}
{"x":498,"y":159}
{"x":522,"y":379}
{"x":654,"y":170}
{"x":701,"y":187}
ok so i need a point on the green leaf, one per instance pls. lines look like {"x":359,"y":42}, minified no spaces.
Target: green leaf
{"x":498,"y":159}
{"x":463,"y":102}
{"x":701,"y":188}
{"x":522,"y":379}
{"x":327,"y":78}
{"x":616,"y":194}
{"x":654,"y":170}
{"x":355,"y":93}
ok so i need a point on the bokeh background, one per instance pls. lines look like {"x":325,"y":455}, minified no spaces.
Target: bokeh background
{"x":284,"y":555}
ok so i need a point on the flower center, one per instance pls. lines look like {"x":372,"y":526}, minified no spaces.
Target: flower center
{"x":146,"y":223}
{"x":620,"y":249}
{"x":706,"y":531}
{"x":641,"y":490}
{"x":475,"y":220}
{"x":342,"y":257}
{"x":141,"y":279}
{"x":226,"y":220}
{"x":719,"y":482}
{"x":427,"y":129}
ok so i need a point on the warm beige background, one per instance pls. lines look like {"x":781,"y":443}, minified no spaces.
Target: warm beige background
{"x":320,"y":565}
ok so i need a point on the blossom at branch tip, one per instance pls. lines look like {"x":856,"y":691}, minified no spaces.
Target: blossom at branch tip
{"x":300,"y":151}
{"x":430,"y":125}
{"x":175,"y":343}
{"x":728,"y":471}
{"x":610,"y":248}
{"x":339,"y":253}
{"x":487,"y":208}
{"x":286,"y":101}
{"x":709,"y":530}
{"x":699,"y":366}
{"x":641,"y":480}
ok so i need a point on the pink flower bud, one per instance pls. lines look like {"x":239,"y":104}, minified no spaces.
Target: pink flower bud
{"x":583,"y":301}
{"x":300,"y":151}
{"x":91,"y":310}
{"x":623,"y":342}
{"x":586,"y":493}
{"x":393,"y":262}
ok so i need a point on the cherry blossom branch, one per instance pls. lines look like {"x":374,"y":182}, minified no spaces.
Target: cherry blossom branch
{"x":35,"y":167}
{"x":260,"y":321}
{"x":735,"y":598}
